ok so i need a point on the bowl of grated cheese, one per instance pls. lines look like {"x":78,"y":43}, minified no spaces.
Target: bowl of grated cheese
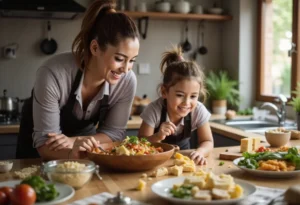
{"x":75,"y":173}
{"x":5,"y":166}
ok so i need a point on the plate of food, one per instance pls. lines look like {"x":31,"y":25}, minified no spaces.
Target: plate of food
{"x":205,"y":189}
{"x":271,"y":164}
{"x":131,"y":154}
{"x":35,"y":188}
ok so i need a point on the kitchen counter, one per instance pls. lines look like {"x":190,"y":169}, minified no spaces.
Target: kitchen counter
{"x":126,"y":182}
{"x":136,"y":122}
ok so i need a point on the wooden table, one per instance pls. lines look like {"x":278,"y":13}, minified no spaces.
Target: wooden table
{"x":126,"y":182}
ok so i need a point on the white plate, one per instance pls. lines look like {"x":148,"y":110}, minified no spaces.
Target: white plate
{"x":269,"y":174}
{"x":65,"y":191}
{"x":162,"y":188}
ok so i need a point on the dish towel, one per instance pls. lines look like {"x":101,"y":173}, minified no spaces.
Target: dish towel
{"x":100,"y":199}
{"x":265,"y":196}
{"x":262,"y":196}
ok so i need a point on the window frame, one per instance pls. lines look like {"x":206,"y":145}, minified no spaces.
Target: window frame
{"x":295,"y":72}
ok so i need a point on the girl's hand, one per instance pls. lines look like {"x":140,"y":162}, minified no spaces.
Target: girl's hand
{"x":198,"y":158}
{"x":166,"y":129}
{"x":59,"y":141}
{"x":83,"y":144}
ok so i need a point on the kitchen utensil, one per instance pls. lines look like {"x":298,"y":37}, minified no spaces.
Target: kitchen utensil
{"x":231,"y":154}
{"x":8,"y":104}
{"x":103,"y":150}
{"x":131,"y":163}
{"x":48,"y":45}
{"x":186,"y":46}
{"x":120,"y":199}
{"x":202,"y":50}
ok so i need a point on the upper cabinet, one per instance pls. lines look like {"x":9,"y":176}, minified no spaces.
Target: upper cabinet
{"x":178,"y":16}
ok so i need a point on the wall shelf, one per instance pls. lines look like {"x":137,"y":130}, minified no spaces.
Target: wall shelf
{"x":177,"y":16}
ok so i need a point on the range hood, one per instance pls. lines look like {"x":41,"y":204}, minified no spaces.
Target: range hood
{"x":41,"y":9}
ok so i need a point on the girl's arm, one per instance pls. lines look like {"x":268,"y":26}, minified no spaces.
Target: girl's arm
{"x":205,"y":139}
{"x":147,"y":131}
{"x":166,"y":129}
{"x":206,"y":144}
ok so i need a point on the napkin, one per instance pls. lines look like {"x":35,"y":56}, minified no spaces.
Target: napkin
{"x":100,"y":199}
{"x":265,"y":196}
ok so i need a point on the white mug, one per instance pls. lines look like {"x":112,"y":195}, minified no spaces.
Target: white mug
{"x":142,"y":6}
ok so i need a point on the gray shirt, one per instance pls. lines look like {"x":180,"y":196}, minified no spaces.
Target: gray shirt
{"x":52,"y":89}
{"x":152,"y":114}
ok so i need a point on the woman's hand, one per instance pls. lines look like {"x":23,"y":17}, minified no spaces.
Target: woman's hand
{"x":166,"y":129}
{"x":83,"y":144}
{"x":59,"y":141}
{"x":198,"y":158}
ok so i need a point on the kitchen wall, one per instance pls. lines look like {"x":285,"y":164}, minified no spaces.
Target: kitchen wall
{"x":227,"y":47}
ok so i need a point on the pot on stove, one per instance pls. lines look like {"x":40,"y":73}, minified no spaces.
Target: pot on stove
{"x":8,"y":104}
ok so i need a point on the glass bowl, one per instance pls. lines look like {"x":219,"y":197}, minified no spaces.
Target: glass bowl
{"x":75,"y":173}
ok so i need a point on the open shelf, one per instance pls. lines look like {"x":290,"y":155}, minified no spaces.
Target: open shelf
{"x":177,"y":16}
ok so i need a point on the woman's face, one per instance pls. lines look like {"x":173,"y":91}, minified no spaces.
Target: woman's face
{"x":115,"y":61}
{"x":182,"y":98}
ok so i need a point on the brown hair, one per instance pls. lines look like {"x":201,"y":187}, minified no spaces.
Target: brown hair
{"x":103,"y":23}
{"x":175,"y":69}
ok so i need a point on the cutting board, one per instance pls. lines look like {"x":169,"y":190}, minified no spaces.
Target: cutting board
{"x":231,"y":154}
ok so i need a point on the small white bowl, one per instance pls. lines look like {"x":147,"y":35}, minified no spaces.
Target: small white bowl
{"x":215,"y":10}
{"x":277,"y":138}
{"x":5,"y":166}
{"x":163,"y":7}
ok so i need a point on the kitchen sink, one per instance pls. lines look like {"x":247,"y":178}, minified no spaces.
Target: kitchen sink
{"x":258,"y":126}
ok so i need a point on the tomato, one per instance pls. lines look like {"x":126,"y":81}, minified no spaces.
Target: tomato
{"x":7,"y":190}
{"x":23,"y":194}
{"x":3,"y":198}
{"x":261,"y":149}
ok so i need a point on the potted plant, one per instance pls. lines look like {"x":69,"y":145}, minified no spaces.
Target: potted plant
{"x":295,"y":102}
{"x":221,"y":89}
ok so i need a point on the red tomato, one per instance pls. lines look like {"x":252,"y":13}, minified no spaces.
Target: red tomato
{"x":7,"y":190}
{"x":3,"y":198}
{"x":261,"y":149}
{"x":23,"y":194}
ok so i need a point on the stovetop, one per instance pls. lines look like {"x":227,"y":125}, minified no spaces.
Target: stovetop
{"x":10,"y":120}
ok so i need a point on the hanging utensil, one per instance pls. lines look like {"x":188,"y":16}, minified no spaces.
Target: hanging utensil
{"x":48,"y":45}
{"x":186,"y":46}
{"x":202,"y":49}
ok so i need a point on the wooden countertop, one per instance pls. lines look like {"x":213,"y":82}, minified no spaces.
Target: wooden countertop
{"x":126,"y":182}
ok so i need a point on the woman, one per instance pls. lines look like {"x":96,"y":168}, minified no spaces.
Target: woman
{"x":75,"y":91}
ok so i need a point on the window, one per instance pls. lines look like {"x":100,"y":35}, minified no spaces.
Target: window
{"x":278,"y":53}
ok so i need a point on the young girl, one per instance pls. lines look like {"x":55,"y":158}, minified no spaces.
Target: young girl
{"x":172,"y":117}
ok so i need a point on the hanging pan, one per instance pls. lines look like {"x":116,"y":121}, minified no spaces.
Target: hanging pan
{"x":48,"y":45}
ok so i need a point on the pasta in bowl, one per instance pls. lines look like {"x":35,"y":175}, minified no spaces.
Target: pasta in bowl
{"x":132,"y":154}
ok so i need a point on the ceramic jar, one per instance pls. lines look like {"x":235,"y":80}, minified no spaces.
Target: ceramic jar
{"x":163,"y":6}
{"x":182,"y":6}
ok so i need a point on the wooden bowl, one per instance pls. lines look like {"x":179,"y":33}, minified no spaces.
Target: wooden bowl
{"x":132,"y":163}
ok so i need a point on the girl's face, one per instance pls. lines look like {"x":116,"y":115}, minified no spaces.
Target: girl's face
{"x":181,"y":98}
{"x":115,"y":61}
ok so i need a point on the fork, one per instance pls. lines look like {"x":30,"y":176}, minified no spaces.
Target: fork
{"x":103,"y":150}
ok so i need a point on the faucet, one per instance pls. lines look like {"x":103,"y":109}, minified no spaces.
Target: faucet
{"x":280,"y":112}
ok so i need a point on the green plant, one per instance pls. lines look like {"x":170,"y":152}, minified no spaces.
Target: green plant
{"x":295,"y":102}
{"x":221,"y":87}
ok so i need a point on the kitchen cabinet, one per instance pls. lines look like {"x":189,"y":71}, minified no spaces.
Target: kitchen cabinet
{"x":223,"y":141}
{"x":178,"y":16}
{"x":8,"y":146}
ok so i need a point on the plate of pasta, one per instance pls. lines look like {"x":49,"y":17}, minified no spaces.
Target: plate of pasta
{"x":131,"y":154}
{"x":271,"y":164}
